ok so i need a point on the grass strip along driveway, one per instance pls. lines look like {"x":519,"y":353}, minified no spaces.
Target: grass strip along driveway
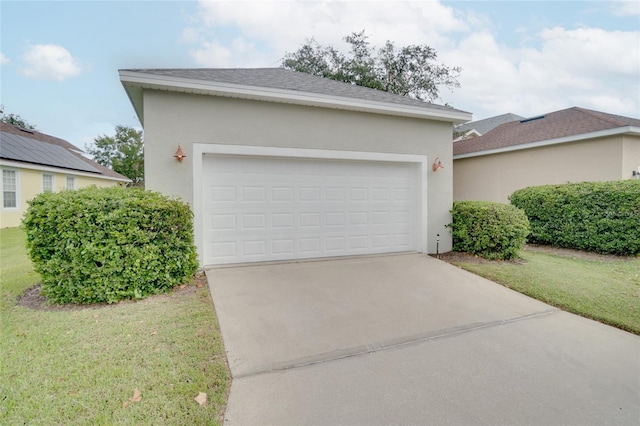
{"x":603,"y":288}
{"x":131,"y":363}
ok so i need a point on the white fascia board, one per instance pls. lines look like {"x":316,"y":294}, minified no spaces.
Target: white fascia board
{"x":268,"y":151}
{"x":20,"y":165}
{"x":573,"y":138}
{"x":161,"y":82}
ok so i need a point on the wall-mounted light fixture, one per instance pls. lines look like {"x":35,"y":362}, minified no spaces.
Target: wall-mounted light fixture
{"x":179,"y":154}
{"x":437,"y":164}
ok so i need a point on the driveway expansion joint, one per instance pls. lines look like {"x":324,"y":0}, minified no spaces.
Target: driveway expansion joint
{"x":388,"y":345}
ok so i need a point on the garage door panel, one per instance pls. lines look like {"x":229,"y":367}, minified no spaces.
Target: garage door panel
{"x":358,"y":218}
{"x":263,"y":208}
{"x":254,"y":193}
{"x":310,"y":246}
{"x":254,"y":248}
{"x":335,"y":194}
{"x":254,"y":222}
{"x":223,"y":193}
{"x":306,"y":194}
{"x":282,"y":221}
{"x":223,"y":249}
{"x":282,"y":193}
{"x":221,"y":222}
{"x":283,"y":247}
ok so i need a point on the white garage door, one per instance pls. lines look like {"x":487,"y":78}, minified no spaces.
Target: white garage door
{"x":265,"y":208}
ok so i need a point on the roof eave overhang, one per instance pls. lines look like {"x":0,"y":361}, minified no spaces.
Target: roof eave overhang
{"x":45,"y":168}
{"x":626,"y":130}
{"x":136,"y":82}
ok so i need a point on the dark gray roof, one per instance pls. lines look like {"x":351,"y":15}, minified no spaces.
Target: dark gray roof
{"x":20,"y":148}
{"x":280,"y":78}
{"x":31,"y":146}
{"x":487,"y":124}
{"x":34,"y":134}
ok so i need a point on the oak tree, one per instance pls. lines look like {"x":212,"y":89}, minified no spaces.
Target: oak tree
{"x":122,"y":153}
{"x":409,"y":70}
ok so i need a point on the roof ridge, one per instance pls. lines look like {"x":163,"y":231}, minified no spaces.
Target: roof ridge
{"x":283,"y":79}
{"x":38,"y":135}
{"x":601,"y":116}
{"x":559,"y":125}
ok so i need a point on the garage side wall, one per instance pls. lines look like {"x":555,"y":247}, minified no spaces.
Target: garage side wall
{"x":173,"y":118}
{"x":495,"y":177}
{"x":630,"y":156}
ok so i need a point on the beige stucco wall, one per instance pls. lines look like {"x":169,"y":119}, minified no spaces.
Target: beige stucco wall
{"x":630,"y":156}
{"x":30,"y":185}
{"x":173,"y":118}
{"x":495,"y":177}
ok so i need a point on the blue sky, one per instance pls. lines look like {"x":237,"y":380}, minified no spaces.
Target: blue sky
{"x":60,"y":60}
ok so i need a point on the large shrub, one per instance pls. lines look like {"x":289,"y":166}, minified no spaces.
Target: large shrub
{"x":603,"y":217}
{"x":99,"y":245}
{"x":490,"y":230}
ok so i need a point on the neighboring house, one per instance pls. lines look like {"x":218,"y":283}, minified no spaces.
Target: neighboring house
{"x":571,"y":145}
{"x":473,"y":129}
{"x":33,"y":162}
{"x":281,"y":165}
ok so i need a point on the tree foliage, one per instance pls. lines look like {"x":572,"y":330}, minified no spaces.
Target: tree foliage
{"x":15,"y":120}
{"x":409,"y":71}
{"x":123,"y":153}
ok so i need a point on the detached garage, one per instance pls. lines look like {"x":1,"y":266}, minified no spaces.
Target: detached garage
{"x":280,"y":165}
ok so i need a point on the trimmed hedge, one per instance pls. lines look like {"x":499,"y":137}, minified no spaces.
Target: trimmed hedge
{"x":98,"y":245}
{"x":487,"y":229}
{"x":602,"y":217}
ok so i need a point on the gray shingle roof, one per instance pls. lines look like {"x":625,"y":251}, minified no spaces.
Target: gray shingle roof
{"x":34,"y":134}
{"x":280,"y":78}
{"x":20,"y":148}
{"x":559,"y":124}
{"x":41,"y":149}
{"x":488,"y":124}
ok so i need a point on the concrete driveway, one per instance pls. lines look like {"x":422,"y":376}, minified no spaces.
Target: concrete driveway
{"x":408,"y":339}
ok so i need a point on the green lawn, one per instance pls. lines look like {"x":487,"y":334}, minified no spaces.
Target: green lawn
{"x":604,"y":290}
{"x":82,"y":366}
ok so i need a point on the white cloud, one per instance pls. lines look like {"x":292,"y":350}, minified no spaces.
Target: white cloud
{"x":592,"y":51}
{"x":191,"y":35}
{"x":274,"y":28}
{"x":625,"y":8}
{"x":88,"y":131}
{"x":3,"y":59}
{"x":550,"y":68}
{"x":239,"y":53}
{"x":587,"y":67}
{"x":49,"y":62}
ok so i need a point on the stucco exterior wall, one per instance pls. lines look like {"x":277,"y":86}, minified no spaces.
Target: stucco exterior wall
{"x":174,"y":118}
{"x":495,"y":177}
{"x":630,"y":157}
{"x":30,"y":185}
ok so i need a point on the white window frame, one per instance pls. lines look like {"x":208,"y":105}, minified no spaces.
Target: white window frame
{"x":17,"y":188}
{"x":53,"y":182}
{"x":71,"y":179}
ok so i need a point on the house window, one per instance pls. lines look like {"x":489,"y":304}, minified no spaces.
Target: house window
{"x":9,"y":189}
{"x":71,"y":182}
{"x":47,"y":182}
